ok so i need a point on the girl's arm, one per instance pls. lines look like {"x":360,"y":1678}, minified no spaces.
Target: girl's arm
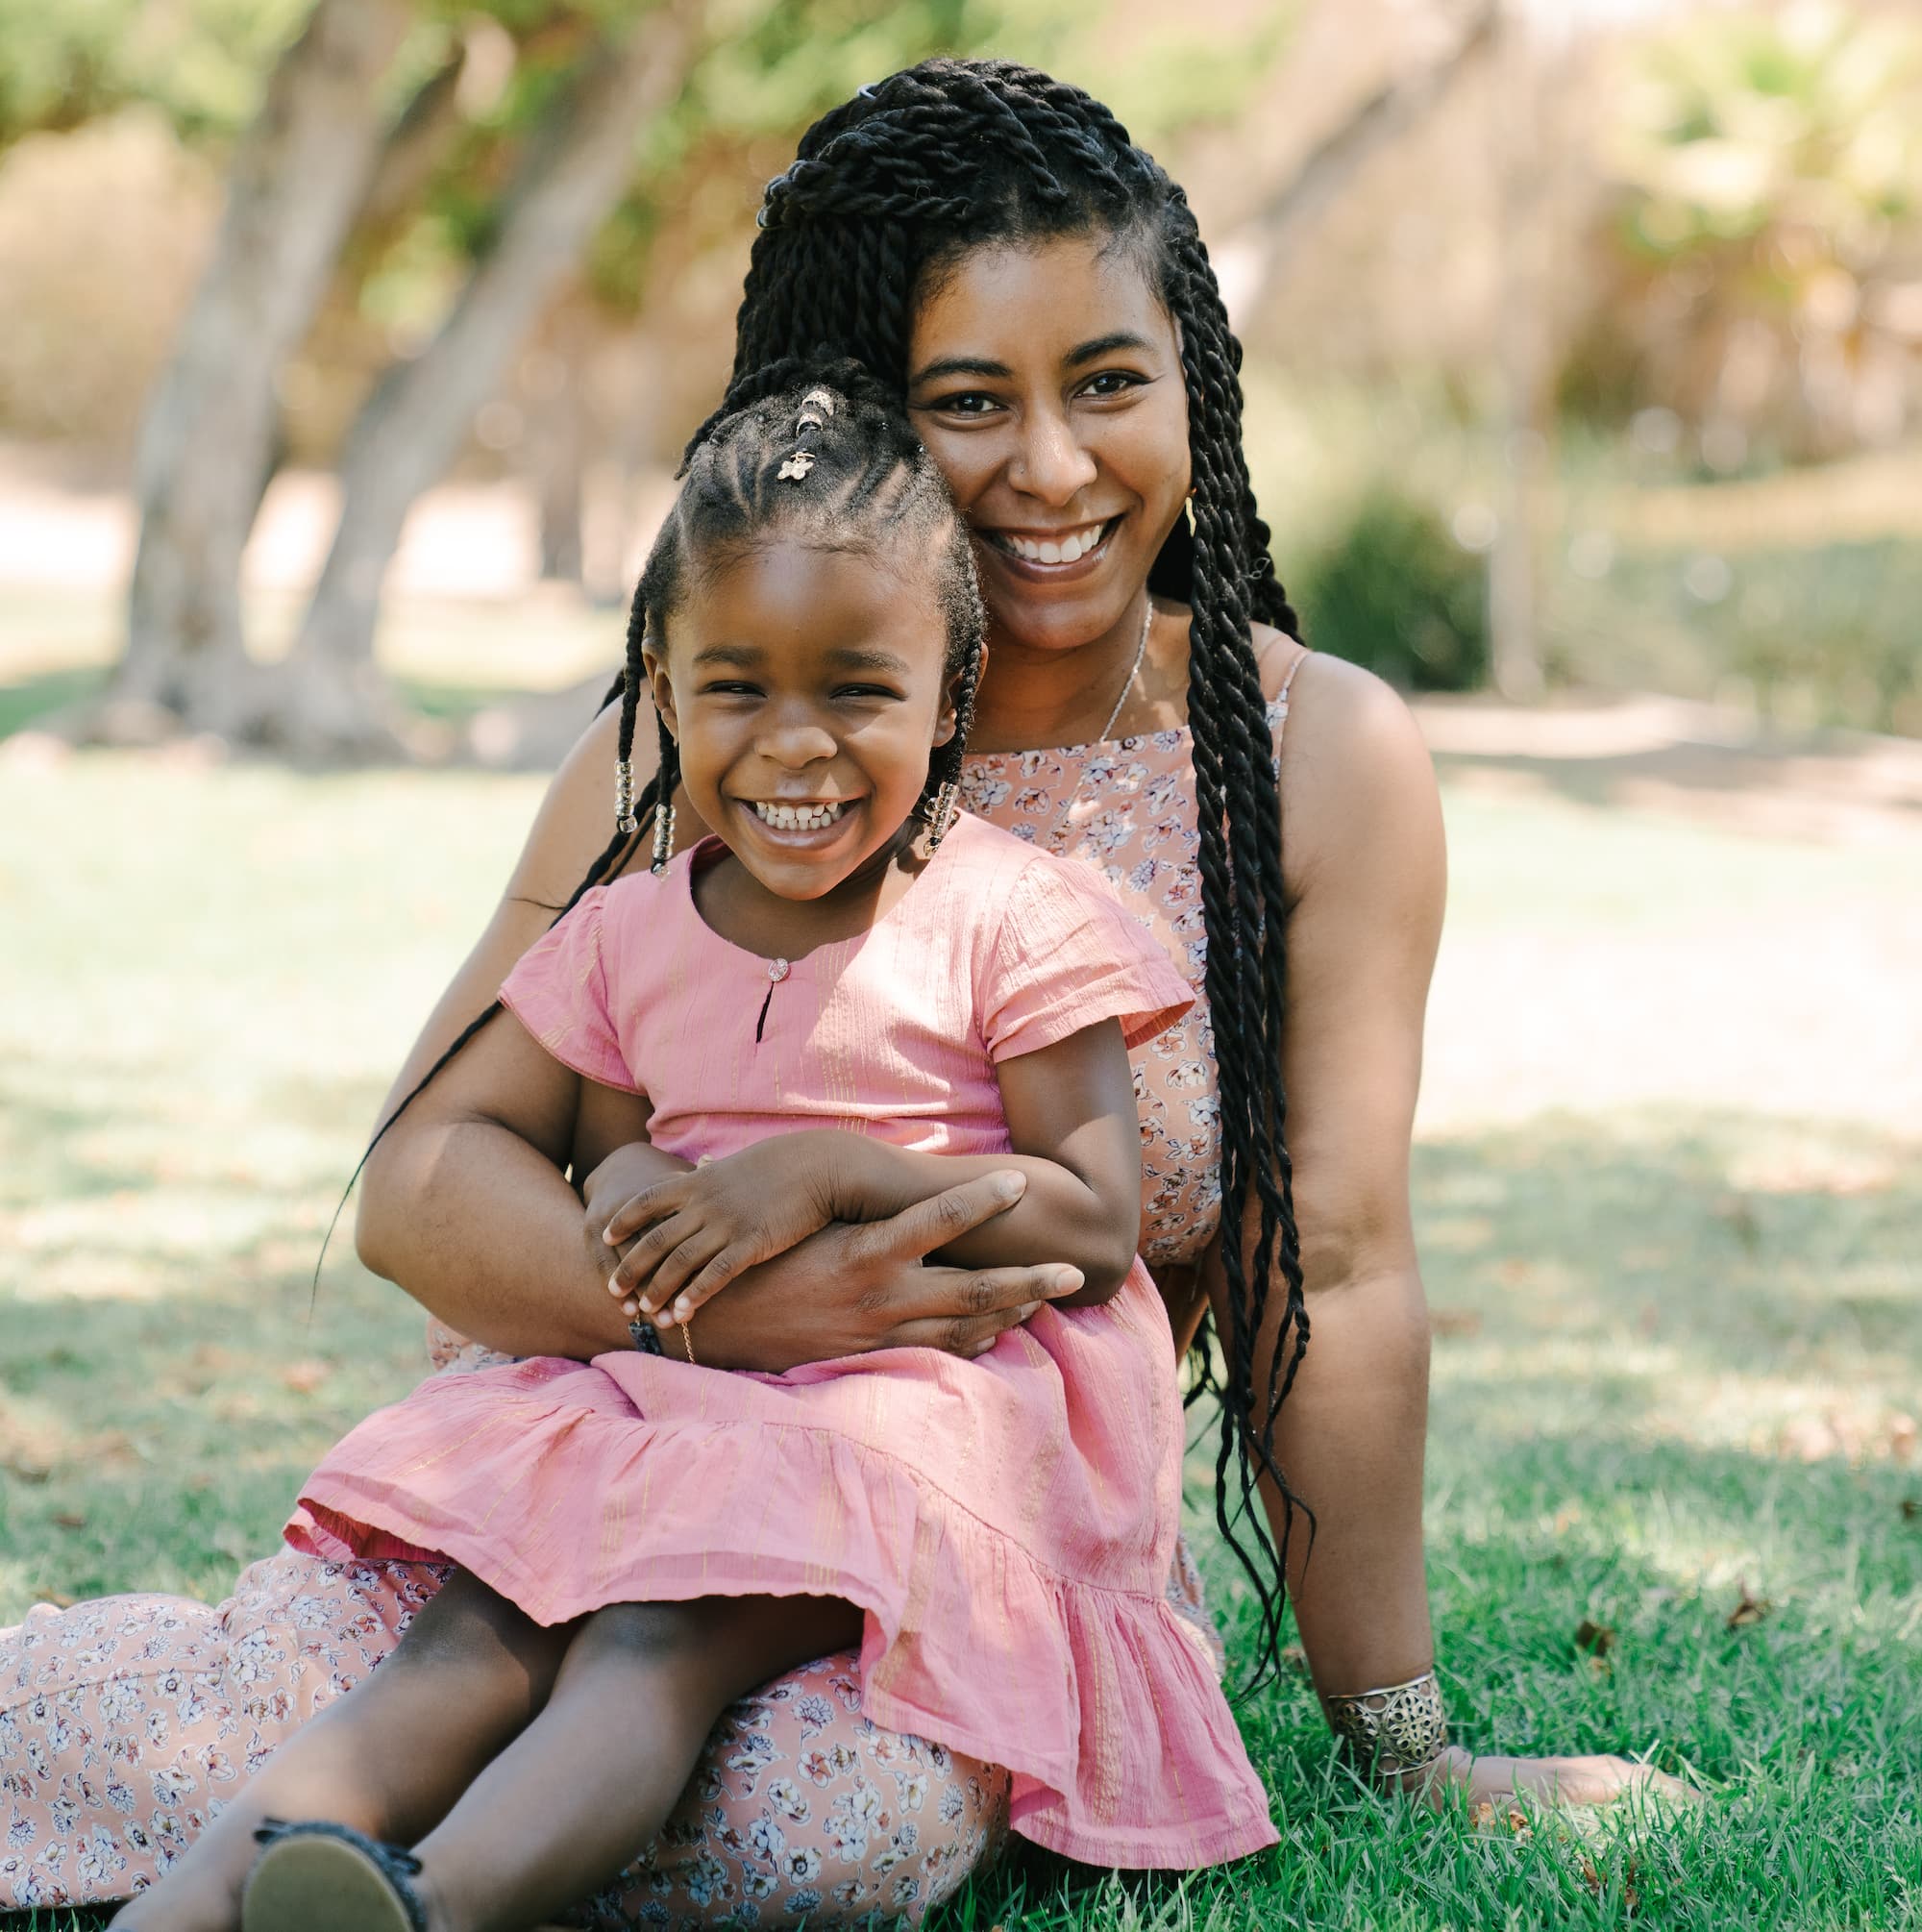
{"x":1080,"y":1201}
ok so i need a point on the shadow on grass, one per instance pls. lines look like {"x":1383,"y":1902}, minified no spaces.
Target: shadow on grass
{"x":1625,"y":1317}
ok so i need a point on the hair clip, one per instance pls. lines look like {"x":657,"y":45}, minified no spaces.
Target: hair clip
{"x":816,"y":407}
{"x":796,"y":468}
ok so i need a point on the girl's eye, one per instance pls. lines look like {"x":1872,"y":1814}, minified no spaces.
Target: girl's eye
{"x":867,"y":691}
{"x":730,"y":689}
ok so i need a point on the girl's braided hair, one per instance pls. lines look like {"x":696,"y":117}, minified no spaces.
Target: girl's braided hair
{"x":886,"y":193}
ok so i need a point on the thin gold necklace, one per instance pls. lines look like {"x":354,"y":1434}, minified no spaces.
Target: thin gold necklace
{"x":1059,"y":836}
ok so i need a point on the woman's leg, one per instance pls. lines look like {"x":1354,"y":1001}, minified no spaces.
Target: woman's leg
{"x":127,"y":1722}
{"x":391,"y":1759}
{"x":806,"y":1812}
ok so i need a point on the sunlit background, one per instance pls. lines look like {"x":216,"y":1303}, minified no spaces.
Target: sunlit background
{"x":1585,"y":401}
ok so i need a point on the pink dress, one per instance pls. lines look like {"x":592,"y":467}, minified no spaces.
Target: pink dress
{"x":1006,"y":1524}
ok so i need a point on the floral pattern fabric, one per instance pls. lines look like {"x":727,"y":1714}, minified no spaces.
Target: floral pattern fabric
{"x":1128,"y":808}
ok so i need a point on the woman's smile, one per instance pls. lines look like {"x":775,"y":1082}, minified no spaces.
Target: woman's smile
{"x":1052,"y":557}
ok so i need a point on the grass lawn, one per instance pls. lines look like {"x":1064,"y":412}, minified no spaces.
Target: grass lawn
{"x":1669,"y":1191}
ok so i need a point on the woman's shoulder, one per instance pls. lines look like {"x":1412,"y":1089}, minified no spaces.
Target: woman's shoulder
{"x":1357,"y":770}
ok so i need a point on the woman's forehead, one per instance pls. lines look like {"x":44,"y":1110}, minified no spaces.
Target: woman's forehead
{"x":1015,"y":306}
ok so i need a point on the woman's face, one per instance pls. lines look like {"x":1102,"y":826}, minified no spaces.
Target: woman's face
{"x":1045,"y":380}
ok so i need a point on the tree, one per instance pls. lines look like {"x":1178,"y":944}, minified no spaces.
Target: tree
{"x":573,"y":169}
{"x":297,"y":176}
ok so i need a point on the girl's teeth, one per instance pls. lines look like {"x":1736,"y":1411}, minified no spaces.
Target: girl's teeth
{"x":799,"y":818}
{"x":1068,"y":549}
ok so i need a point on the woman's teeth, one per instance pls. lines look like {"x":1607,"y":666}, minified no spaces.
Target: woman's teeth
{"x":1069,"y":548}
{"x":799,"y":817}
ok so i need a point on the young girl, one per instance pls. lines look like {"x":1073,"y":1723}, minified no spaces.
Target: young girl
{"x":832,"y":1007}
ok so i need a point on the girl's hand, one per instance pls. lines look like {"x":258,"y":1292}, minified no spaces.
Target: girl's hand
{"x":705,"y":1226}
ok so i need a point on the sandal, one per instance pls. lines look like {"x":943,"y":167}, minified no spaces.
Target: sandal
{"x":317,"y":1876}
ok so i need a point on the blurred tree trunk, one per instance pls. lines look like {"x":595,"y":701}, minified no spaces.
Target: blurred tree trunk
{"x":559,"y":442}
{"x":1523,"y":356}
{"x":575,"y":166}
{"x":1261,"y":243}
{"x":207,"y":443}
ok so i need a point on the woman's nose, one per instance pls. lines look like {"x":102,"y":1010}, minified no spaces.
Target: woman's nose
{"x":1051,"y":462}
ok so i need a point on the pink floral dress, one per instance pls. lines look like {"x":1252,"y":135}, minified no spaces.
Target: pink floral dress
{"x":127,"y":1721}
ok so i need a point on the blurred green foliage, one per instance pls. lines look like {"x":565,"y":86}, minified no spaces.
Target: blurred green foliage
{"x":1766,"y":167}
{"x":1822,"y":634}
{"x":202,"y":65}
{"x":1392,"y":590}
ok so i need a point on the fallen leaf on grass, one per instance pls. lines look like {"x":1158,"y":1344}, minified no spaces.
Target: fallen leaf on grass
{"x":1511,"y":1818}
{"x":1294,"y":1658}
{"x":59,"y":1598}
{"x":1596,"y":1637}
{"x":1911,"y":1508}
{"x":1455,"y":1321}
{"x":70,"y":1519}
{"x":304,"y":1378}
{"x":1631,"y":1891}
{"x":1750,"y":1610}
{"x":23,"y":1470}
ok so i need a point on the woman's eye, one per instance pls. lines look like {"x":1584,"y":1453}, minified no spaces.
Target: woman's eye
{"x":1111,"y":383}
{"x":967,"y":402}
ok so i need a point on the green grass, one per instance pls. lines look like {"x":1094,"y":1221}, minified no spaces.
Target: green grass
{"x":1678,"y":1356}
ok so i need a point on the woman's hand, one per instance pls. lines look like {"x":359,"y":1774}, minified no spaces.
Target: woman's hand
{"x":1500,"y":1781}
{"x":851,"y":1288}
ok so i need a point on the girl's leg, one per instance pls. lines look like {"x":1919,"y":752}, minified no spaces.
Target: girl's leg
{"x":597,"y":1772}
{"x":390,"y":1758}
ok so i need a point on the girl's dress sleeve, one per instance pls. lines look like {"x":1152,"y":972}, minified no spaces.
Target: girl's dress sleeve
{"x":1067,"y":955}
{"x":559,"y":992}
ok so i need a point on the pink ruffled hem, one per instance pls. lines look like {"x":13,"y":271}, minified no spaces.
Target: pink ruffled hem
{"x":1097,"y":1700}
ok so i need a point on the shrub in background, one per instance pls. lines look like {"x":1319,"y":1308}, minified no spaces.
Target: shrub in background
{"x":1394,"y":591}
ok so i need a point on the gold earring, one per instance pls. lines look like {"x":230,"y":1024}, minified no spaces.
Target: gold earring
{"x":623,"y":795}
{"x":663,"y":835}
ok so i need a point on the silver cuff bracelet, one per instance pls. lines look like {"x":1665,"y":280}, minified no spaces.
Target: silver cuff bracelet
{"x":1400,"y":1727}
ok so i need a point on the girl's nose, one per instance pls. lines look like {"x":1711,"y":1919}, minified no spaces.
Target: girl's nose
{"x":1050,"y":463}
{"x":795,"y":741}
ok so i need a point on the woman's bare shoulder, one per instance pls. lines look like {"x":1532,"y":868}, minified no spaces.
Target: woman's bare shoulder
{"x":1355,"y":778}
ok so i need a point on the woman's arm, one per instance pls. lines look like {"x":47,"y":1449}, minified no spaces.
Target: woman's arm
{"x":1366,"y":874}
{"x":1367,"y":877}
{"x":1080,"y":1201}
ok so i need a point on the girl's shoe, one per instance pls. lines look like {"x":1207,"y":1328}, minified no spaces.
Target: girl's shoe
{"x":316,"y":1876}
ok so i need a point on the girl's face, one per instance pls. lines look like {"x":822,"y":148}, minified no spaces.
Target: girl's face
{"x":1045,"y":380}
{"x":805,"y":691}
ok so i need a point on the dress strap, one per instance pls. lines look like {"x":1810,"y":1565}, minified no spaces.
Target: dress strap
{"x":1289,"y":653}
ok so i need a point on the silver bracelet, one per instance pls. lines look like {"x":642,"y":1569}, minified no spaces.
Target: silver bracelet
{"x":1399,"y":1727}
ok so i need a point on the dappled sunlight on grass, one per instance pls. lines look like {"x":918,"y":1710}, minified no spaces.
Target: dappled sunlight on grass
{"x":1678,"y":1313}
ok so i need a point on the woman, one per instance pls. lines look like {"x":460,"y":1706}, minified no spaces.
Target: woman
{"x":989,"y":239}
